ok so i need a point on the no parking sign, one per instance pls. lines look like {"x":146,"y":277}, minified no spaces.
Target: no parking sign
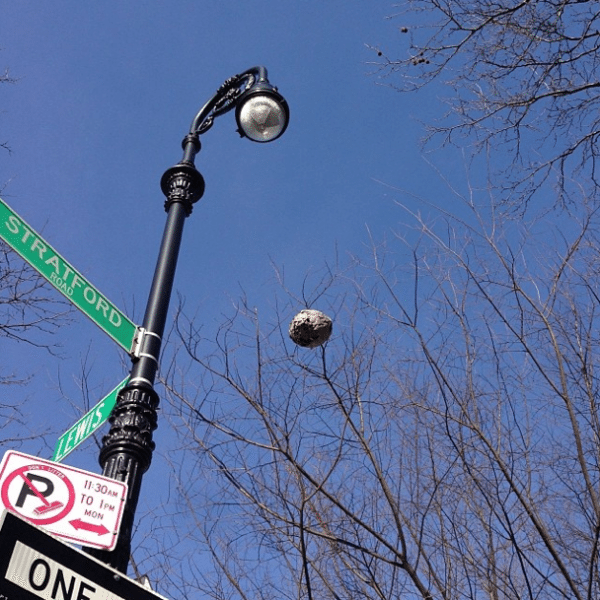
{"x":82,"y":507}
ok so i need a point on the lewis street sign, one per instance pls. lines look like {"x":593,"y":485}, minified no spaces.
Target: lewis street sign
{"x":65,"y":278}
{"x":34,"y":565}
{"x":88,"y":424}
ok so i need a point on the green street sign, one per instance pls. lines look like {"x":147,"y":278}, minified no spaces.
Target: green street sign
{"x":87,"y":425}
{"x":65,"y":278}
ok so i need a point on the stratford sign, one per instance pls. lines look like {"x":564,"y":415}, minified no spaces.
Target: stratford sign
{"x":65,"y":278}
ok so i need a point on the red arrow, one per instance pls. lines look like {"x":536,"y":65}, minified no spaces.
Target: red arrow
{"x":79,"y":524}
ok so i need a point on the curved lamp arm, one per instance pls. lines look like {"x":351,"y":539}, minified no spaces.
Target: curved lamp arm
{"x":261,"y":111}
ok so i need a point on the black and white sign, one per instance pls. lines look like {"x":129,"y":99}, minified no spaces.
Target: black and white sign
{"x":34,"y":565}
{"x":82,"y":507}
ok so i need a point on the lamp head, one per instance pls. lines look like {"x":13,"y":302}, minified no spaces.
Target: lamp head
{"x":262,"y":114}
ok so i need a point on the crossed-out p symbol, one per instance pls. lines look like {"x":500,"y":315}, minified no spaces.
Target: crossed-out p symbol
{"x":39,"y":493}
{"x":32,"y":488}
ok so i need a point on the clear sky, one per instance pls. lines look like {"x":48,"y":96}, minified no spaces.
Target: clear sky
{"x":105,"y":92}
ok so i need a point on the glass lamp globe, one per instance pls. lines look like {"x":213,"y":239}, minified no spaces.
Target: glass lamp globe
{"x":262,"y":115}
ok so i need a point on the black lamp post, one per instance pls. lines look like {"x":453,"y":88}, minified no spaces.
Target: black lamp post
{"x":262,"y":115}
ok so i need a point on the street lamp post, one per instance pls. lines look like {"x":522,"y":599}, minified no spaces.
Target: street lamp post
{"x":262,"y":115}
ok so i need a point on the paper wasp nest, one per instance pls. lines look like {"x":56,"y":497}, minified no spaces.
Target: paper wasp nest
{"x":310,"y":328}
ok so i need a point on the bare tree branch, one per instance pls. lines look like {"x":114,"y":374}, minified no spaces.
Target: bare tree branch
{"x":522,"y":81}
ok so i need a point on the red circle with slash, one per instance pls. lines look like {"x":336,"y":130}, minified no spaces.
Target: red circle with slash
{"x":22,"y":494}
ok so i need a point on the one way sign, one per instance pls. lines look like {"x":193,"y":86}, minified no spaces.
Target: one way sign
{"x":34,"y":565}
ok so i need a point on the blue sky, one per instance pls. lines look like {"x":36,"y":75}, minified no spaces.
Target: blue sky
{"x":105,"y":92}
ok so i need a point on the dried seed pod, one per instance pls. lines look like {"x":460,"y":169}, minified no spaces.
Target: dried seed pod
{"x":310,"y":328}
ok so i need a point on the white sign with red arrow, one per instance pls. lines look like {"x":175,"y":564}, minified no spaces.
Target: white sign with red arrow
{"x":79,"y":506}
